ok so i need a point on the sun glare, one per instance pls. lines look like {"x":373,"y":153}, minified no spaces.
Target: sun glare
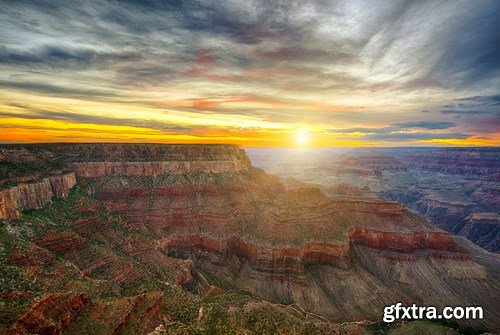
{"x":301,"y":139}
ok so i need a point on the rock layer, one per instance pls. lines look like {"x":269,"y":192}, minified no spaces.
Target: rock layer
{"x":136,"y":169}
{"x":34,"y":195}
{"x":287,"y":260}
{"x":297,"y":245}
{"x":51,"y":315}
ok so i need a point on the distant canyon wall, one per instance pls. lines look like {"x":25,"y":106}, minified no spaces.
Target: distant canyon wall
{"x":457,"y":189}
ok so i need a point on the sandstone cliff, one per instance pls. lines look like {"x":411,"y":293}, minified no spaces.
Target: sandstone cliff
{"x":75,"y":268}
{"x":15,"y":199}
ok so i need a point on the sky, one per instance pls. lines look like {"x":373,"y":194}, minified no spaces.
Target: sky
{"x":281,"y":73}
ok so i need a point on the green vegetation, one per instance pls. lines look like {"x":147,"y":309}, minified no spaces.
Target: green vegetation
{"x":191,"y":179}
{"x":434,"y":327}
{"x":422,"y":327}
{"x":465,"y":330}
{"x":13,"y":171}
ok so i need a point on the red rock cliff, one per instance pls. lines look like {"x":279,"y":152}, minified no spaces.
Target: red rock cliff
{"x":34,"y":195}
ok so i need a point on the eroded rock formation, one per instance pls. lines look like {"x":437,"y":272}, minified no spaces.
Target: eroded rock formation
{"x":34,"y":195}
{"x":51,"y":315}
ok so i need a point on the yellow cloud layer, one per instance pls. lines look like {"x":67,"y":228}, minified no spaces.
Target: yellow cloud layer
{"x":41,"y":118}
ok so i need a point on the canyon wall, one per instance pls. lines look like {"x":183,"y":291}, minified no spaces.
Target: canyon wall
{"x":39,"y":154}
{"x":297,"y":246}
{"x":288,"y":261}
{"x":99,"y":160}
{"x":457,"y":189}
{"x":15,"y":199}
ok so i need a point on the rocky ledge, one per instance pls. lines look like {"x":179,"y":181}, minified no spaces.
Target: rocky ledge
{"x":15,"y":199}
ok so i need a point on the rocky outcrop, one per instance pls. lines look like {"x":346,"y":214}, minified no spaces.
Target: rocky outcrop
{"x":482,"y":228}
{"x":23,"y":179}
{"x":465,"y":218}
{"x":34,"y":195}
{"x":61,"y":184}
{"x":62,"y":313}
{"x":295,"y":245}
{"x":457,"y":161}
{"x":294,"y":260}
{"x":266,"y":258}
{"x":63,"y":242}
{"x":408,"y":243}
{"x":139,"y":314}
{"x":52,"y":315}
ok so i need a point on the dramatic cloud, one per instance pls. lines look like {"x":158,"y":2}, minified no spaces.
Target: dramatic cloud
{"x":253,"y":72}
{"x":55,"y":57}
{"x":404,"y":131}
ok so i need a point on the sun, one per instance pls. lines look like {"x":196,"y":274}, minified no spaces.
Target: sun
{"x":301,"y":138}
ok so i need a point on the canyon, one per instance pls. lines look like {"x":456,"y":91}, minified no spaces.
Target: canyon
{"x":147,"y":224}
{"x":457,"y":189}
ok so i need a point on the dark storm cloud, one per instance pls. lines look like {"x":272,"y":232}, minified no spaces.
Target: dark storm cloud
{"x":273,"y":32}
{"x":458,"y":47}
{"x":401,"y":131}
{"x":479,"y":114}
{"x":485,"y":100}
{"x":479,"y":106}
{"x":472,"y":52}
{"x":248,"y":22}
{"x":470,"y":112}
